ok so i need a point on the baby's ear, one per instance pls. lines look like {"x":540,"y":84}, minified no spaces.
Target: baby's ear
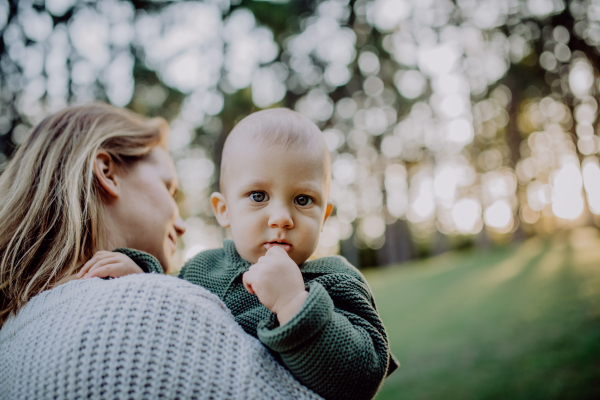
{"x":219,"y":206}
{"x":328,"y":210}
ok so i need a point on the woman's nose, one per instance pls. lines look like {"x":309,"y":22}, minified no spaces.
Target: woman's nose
{"x":280,"y":218}
{"x":179,"y":226}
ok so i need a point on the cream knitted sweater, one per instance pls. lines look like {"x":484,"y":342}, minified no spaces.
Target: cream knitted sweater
{"x":137,"y":337}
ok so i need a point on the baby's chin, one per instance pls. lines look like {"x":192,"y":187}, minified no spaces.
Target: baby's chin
{"x":250,"y":256}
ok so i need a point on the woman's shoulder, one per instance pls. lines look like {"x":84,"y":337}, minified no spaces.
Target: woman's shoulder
{"x":140,"y":329}
{"x":168,"y":291}
{"x":93,"y":298}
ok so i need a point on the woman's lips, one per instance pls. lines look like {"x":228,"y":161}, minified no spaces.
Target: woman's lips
{"x":286,"y":246}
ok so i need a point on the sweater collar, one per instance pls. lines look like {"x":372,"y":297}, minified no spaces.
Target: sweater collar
{"x":234,"y":258}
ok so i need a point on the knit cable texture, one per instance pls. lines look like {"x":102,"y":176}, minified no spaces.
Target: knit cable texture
{"x":138,"y":337}
{"x":336,"y":344}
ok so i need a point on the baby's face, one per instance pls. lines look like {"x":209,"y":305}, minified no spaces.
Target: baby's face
{"x":276,"y":196}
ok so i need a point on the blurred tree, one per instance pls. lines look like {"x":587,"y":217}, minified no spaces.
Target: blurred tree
{"x":449,"y":122}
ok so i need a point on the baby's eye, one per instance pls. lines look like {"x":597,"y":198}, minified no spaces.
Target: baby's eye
{"x":259,"y":197}
{"x":303,"y":200}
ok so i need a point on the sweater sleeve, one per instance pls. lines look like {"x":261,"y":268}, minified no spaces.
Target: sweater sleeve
{"x":336,"y":344}
{"x":144,"y":260}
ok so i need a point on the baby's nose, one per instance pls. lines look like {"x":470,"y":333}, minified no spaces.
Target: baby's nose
{"x":281,"y":218}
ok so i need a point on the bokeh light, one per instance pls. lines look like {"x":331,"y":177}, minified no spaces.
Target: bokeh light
{"x":567,"y":200}
{"x":439,"y":115}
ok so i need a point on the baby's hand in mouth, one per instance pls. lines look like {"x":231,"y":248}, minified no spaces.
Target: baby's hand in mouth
{"x":277,"y":282}
{"x":284,"y":245}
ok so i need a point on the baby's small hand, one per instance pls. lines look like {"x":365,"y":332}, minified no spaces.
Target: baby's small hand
{"x":108,"y":263}
{"x":277,"y":282}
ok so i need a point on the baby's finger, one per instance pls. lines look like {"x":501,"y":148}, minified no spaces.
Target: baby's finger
{"x":101,"y":272}
{"x":86,"y":267}
{"x":100,"y":264}
{"x":276,"y":250}
{"x":98,"y":256}
{"x":262,"y":258}
{"x":247,"y":281}
{"x":257,"y":266}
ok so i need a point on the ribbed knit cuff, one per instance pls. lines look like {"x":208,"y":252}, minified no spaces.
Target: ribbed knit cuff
{"x":144,"y":260}
{"x":316,"y":311}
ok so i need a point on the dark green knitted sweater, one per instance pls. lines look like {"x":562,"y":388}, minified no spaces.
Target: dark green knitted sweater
{"x":335,"y":345}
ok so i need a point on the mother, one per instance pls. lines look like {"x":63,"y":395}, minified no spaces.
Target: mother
{"x":93,"y":178}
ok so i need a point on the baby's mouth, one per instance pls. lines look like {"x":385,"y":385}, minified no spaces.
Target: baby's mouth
{"x":284,"y":245}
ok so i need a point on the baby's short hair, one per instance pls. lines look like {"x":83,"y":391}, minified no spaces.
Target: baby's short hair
{"x":275,"y":126}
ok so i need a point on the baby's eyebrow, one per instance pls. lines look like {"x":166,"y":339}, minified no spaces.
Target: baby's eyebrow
{"x":259,"y":183}
{"x":314,"y":189}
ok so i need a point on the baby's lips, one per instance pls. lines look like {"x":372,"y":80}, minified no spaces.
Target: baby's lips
{"x":286,"y":247}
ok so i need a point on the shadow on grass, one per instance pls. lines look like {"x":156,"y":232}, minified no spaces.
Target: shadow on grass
{"x":518,"y":322}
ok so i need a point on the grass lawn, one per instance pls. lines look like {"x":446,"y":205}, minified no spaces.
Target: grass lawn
{"x":521,"y":322}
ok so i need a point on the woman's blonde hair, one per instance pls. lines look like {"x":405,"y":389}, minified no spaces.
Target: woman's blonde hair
{"x":50,"y":199}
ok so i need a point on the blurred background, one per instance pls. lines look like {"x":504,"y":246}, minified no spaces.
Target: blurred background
{"x":464,"y":141}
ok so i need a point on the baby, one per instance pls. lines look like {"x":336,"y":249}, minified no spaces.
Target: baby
{"x":317,"y":317}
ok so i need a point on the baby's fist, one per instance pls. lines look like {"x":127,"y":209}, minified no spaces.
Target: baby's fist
{"x":277,"y":282}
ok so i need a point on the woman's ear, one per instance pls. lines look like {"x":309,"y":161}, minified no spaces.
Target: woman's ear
{"x":105,"y":171}
{"x":219,"y":206}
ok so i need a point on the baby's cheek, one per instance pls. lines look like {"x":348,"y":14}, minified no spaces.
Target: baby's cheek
{"x":312,"y":240}
{"x":248,"y":246}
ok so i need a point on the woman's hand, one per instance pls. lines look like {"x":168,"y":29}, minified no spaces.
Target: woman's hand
{"x":108,"y":263}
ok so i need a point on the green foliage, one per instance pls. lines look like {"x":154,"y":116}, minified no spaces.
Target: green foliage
{"x":451,"y":117}
{"x":279,"y":17}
